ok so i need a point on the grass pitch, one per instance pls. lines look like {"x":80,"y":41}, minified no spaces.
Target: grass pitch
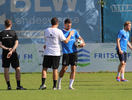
{"x":88,"y":86}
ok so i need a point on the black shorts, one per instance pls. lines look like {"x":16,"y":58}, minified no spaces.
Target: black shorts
{"x":70,"y":58}
{"x":122,"y":57}
{"x":13,"y":60}
{"x":51,"y":62}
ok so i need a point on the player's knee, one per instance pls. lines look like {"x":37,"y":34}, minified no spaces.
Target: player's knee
{"x":18,"y":68}
{"x":123,"y":63}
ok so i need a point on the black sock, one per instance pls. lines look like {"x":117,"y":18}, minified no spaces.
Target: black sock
{"x":18,"y":83}
{"x":8,"y":83}
{"x":54,"y":82}
{"x":43,"y":81}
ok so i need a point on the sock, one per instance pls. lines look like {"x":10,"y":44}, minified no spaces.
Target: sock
{"x":18,"y":83}
{"x":43,"y":81}
{"x":122,"y":76}
{"x":54,"y":82}
{"x":59,"y":81}
{"x":71,"y":82}
{"x":8,"y":83}
{"x":118,"y":74}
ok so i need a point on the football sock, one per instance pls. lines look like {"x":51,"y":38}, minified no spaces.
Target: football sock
{"x":54,"y":82}
{"x":18,"y":83}
{"x":118,"y":74}
{"x":8,"y":83}
{"x":71,"y":82}
{"x":122,"y":76}
{"x":43,"y":80}
{"x":59,"y":80}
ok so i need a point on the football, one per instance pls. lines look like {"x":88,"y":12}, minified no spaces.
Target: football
{"x":78,"y":42}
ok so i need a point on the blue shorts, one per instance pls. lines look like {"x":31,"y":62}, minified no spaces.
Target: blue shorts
{"x":122,"y":57}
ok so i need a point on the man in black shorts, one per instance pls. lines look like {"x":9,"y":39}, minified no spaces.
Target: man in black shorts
{"x":70,"y":56}
{"x":9,"y":43}
{"x":53,"y":37}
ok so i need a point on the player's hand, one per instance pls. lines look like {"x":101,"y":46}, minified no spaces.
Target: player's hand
{"x":81,"y":45}
{"x":10,"y":49}
{"x":72,"y":32}
{"x":120,"y":52}
{"x":44,"y":46}
{"x":9,"y":54}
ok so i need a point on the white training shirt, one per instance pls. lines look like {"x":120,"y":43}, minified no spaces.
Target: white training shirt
{"x":53,"y":38}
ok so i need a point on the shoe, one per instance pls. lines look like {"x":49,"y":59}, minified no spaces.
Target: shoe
{"x":8,"y":88}
{"x":124,"y":80}
{"x":59,"y":86}
{"x":71,"y":88}
{"x":118,"y":79}
{"x":54,"y":88}
{"x":42,"y":87}
{"x":20,"y":88}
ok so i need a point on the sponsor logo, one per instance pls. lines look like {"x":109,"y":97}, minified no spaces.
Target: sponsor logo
{"x":83,"y":58}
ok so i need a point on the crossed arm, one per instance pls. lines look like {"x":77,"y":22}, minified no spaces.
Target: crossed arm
{"x":11,"y":50}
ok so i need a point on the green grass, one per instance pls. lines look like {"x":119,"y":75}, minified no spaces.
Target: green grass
{"x":88,"y":86}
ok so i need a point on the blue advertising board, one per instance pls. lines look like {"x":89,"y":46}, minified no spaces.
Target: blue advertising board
{"x":31,"y":17}
{"x":115,"y":14}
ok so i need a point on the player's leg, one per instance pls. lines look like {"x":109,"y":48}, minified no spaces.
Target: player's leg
{"x":5,"y":65}
{"x":55,"y":76}
{"x":56,"y":60}
{"x":65,"y":63}
{"x":15,"y":64}
{"x":121,"y":58}
{"x":123,"y":68}
{"x":73,"y":62}
{"x":72,"y":76}
{"x":61,"y":74}
{"x":7,"y":79}
{"x":44,"y":76}
{"x":119,"y":71}
{"x":18,"y":76}
{"x":47,"y":62}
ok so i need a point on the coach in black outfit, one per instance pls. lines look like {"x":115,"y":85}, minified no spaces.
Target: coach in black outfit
{"x":9,"y":43}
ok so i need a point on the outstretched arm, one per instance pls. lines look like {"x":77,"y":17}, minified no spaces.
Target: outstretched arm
{"x":68,"y":38}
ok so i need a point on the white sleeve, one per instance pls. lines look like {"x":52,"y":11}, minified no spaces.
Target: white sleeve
{"x":62,"y":37}
{"x":45,"y":35}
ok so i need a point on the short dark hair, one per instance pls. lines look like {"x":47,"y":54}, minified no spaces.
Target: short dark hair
{"x":67,"y":21}
{"x":54,"y":21}
{"x":8,"y":23}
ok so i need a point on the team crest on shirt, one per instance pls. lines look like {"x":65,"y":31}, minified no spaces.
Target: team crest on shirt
{"x":50,"y":34}
{"x":7,"y":35}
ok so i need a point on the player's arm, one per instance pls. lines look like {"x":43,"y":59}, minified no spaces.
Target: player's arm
{"x":13,"y":49}
{"x":129,"y":45}
{"x":83,"y":44}
{"x":69,"y":36}
{"x":131,"y":40}
{"x":4,"y":47}
{"x":118,"y":45}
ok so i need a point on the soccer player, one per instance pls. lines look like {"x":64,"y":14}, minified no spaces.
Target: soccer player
{"x":53,"y":38}
{"x":122,"y":42}
{"x":69,"y":53}
{"x":9,"y":43}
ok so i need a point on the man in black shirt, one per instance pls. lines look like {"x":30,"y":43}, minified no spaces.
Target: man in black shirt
{"x":9,"y":43}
